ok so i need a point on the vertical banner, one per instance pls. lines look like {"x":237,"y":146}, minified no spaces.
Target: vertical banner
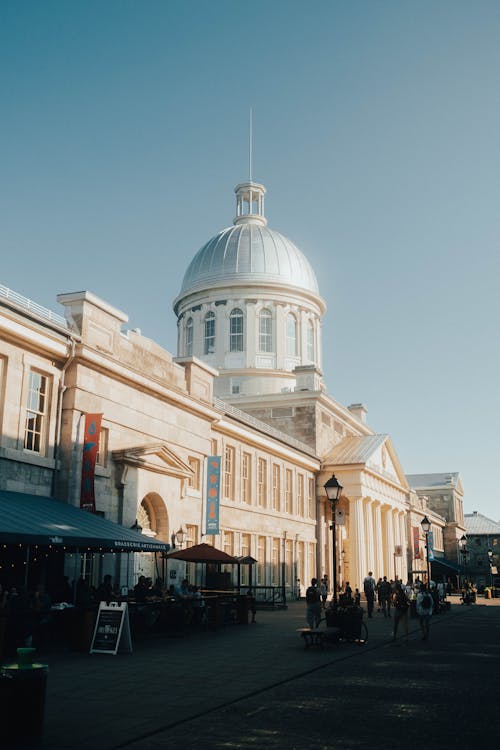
{"x":416,"y":542}
{"x":213,"y":493}
{"x":90,"y":448}
{"x":430,"y":545}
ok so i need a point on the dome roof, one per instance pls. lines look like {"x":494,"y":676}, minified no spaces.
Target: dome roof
{"x":249,"y":252}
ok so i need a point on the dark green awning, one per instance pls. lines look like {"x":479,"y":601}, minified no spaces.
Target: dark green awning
{"x":33,"y":519}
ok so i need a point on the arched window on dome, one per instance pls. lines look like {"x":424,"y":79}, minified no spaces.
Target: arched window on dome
{"x":236,"y":330}
{"x":209,"y":347}
{"x":310,"y":341}
{"x":189,"y":337}
{"x":291,"y":335}
{"x":265,"y":331}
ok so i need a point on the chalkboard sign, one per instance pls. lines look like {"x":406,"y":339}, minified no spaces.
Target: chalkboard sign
{"x":112,"y":629}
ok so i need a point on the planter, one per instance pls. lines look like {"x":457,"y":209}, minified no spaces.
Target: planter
{"x":348,"y":620}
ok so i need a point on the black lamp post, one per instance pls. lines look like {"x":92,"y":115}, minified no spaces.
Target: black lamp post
{"x":462,"y":543}
{"x":490,"y":560}
{"x":333,"y":490}
{"x":426,"y":527}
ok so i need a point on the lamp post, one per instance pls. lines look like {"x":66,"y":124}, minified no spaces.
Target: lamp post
{"x":333,"y":490}
{"x":490,"y":560}
{"x":426,"y":527}
{"x":462,"y":543}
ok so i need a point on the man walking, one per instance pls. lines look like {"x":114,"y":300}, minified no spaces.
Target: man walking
{"x":369,"y":585}
{"x":313,"y":604}
{"x":425,"y":606}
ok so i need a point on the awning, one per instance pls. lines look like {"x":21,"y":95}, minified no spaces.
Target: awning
{"x":445,"y":567}
{"x":203,"y":553}
{"x":33,"y":519}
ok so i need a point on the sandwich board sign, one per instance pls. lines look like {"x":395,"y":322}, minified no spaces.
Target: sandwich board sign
{"x":112,"y":629}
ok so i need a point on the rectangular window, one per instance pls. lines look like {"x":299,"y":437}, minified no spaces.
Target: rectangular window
{"x":276,"y":487}
{"x":102,"y":451}
{"x":236,"y":331}
{"x":36,"y":412}
{"x":229,"y":472}
{"x":194,"y":480}
{"x":288,"y":491}
{"x":228,"y":549}
{"x":275,"y":566}
{"x":265,"y":331}
{"x":310,"y":499}
{"x":288,"y":562}
{"x":261,"y":561}
{"x":245,"y":552}
{"x":209,"y":347}
{"x":300,"y":495}
{"x":246,"y":484}
{"x":300,"y":562}
{"x":311,"y":560}
{"x":261,"y":482}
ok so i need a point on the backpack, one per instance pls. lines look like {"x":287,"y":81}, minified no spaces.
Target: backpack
{"x":312,"y":595}
{"x":426,"y":602}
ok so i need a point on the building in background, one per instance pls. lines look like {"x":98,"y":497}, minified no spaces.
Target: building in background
{"x":483,"y":536}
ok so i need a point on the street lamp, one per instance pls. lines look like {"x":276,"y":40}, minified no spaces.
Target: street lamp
{"x":490,"y":560}
{"x":426,"y":527}
{"x":333,"y":490}
{"x":180,"y":537}
{"x":462,"y":543}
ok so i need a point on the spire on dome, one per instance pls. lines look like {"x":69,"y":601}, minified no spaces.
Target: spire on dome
{"x":250,"y":203}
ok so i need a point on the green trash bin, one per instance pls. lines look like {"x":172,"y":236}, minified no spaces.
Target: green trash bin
{"x":22,"y":695}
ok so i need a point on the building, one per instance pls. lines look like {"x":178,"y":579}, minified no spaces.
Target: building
{"x":482,"y":538}
{"x":246,"y":385}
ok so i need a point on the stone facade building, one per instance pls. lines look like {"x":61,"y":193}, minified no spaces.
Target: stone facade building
{"x":246,"y":385}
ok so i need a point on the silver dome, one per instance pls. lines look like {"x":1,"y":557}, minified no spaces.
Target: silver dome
{"x":249,"y":252}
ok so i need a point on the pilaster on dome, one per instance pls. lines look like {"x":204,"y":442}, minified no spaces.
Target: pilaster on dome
{"x":250,"y":203}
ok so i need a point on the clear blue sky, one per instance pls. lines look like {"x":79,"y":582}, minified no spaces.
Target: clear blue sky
{"x":376,"y":132}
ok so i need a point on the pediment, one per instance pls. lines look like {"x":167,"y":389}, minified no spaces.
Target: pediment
{"x":372,"y":452}
{"x":156,"y":457}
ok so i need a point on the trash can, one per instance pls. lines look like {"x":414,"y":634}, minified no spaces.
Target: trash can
{"x":22,"y":695}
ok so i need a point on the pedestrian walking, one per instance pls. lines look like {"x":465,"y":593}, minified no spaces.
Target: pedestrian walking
{"x":401,"y":606}
{"x":313,"y":604}
{"x":384,"y":596}
{"x":323,"y":590}
{"x":425,"y":608}
{"x":369,"y":586}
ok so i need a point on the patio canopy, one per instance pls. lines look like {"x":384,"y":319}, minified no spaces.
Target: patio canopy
{"x":33,"y":519}
{"x":203,"y":553}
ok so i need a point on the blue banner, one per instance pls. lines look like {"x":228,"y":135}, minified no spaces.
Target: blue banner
{"x":430,"y":545}
{"x":213,"y":494}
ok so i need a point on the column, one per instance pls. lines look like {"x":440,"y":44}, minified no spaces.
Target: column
{"x":379,"y":569}
{"x":370,"y":540}
{"x":389,"y":551}
{"x":357,"y":543}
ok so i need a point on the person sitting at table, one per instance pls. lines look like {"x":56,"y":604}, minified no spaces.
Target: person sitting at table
{"x":141,"y":590}
{"x":105,"y":589}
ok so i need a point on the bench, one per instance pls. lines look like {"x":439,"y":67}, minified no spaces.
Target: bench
{"x":318,"y":637}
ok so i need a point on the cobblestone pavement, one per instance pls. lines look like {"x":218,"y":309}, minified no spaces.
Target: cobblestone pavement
{"x":256,"y":686}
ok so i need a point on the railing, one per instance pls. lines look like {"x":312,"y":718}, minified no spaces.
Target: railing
{"x":248,"y":419}
{"x":28,"y":304}
{"x":268,"y":596}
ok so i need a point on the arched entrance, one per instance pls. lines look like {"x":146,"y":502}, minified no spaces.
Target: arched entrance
{"x":152,"y":516}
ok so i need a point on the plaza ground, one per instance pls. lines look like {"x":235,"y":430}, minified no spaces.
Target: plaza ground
{"x":256,"y":686}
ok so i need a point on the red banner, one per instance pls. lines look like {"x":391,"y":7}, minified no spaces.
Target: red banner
{"x":416,"y":542}
{"x":90,"y":448}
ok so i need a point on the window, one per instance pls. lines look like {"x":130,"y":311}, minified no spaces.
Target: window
{"x":276,"y":487}
{"x":228,"y":549}
{"x":245,"y":552}
{"x":194,"y":480}
{"x":236,"y":331}
{"x":261,"y":560}
{"x":275,"y":562}
{"x":36,"y":412}
{"x":189,"y":338}
{"x":246,"y":484}
{"x":265,"y":331}
{"x":288,"y":491}
{"x":291,"y":335}
{"x":310,"y":341}
{"x":229,"y":472}
{"x":102,"y":450}
{"x":300,"y":495}
{"x":310,"y":499}
{"x":261,"y":481}
{"x":209,"y":333}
